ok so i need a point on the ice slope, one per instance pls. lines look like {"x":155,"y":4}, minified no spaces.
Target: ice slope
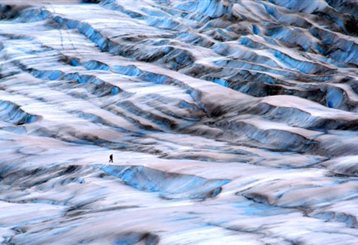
{"x":230,"y":122}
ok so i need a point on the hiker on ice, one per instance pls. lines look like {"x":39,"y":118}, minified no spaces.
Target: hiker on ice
{"x":110,"y":158}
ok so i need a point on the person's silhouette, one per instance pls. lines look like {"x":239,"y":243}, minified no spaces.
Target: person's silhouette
{"x":111,"y":158}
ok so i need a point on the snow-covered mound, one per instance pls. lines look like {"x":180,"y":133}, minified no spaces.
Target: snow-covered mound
{"x":230,"y":122}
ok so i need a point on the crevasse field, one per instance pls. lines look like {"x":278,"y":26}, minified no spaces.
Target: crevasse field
{"x":230,"y":122}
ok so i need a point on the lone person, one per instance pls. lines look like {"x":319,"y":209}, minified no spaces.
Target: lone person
{"x":111,"y":158}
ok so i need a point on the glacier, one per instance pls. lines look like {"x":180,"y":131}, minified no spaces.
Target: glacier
{"x":230,"y":122}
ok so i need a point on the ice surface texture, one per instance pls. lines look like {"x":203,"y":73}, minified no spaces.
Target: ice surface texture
{"x":230,"y":122}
